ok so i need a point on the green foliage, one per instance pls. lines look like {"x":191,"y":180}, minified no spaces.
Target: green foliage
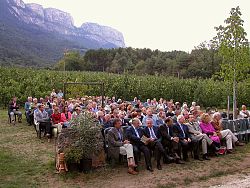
{"x":233,"y":47}
{"x":39,"y":83}
{"x":197,"y":64}
{"x":88,"y":140}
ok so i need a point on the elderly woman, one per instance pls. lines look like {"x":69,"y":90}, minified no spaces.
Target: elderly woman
{"x":56,"y":121}
{"x":224,"y":134}
{"x":208,"y":129}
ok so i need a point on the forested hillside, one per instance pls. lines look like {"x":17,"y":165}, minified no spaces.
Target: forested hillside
{"x":201,"y":62}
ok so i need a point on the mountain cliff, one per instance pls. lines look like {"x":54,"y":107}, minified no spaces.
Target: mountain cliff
{"x":35,"y":25}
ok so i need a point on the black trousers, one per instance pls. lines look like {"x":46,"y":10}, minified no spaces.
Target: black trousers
{"x":185,"y":146}
{"x":158,"y":149}
{"x":144,"y":149}
{"x":47,"y":126}
{"x":172,"y":148}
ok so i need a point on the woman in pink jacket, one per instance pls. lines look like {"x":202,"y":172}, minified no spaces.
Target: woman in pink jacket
{"x":66,"y":116}
{"x":208,"y":129}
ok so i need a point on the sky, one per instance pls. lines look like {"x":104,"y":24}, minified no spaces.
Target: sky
{"x":156,"y":24}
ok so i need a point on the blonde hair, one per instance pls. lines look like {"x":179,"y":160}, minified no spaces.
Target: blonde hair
{"x":205,"y":118}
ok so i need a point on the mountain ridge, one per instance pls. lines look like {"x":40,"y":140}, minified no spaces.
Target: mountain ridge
{"x":30,"y":23}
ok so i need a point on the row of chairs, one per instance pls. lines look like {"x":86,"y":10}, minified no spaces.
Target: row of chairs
{"x":240,"y":128}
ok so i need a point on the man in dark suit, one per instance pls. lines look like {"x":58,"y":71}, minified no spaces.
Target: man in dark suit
{"x":170,"y":142}
{"x":181,"y":130}
{"x":154,"y":143}
{"x":134,"y":134}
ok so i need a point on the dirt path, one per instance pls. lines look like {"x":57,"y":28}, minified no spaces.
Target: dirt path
{"x":21,"y":142}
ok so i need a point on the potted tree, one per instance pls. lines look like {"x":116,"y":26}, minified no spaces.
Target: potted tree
{"x":82,"y":141}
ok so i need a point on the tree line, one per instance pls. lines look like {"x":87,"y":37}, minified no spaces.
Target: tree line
{"x":202,"y":62}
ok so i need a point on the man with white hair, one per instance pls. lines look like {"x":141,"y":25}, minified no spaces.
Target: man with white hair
{"x":196,"y":134}
{"x":134,"y":134}
{"x":181,"y":130}
{"x":244,"y":113}
{"x":224,"y":134}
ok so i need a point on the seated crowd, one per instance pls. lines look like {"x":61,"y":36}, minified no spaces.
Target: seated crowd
{"x":162,"y":129}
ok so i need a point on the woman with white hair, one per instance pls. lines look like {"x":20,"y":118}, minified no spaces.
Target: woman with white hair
{"x":224,"y":134}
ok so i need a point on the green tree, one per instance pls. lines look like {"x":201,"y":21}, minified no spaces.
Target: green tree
{"x":233,"y":46}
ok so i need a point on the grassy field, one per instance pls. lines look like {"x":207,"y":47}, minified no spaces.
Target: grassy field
{"x":26,"y":161}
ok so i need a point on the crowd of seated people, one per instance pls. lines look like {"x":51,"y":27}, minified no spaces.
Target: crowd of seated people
{"x":163,"y":129}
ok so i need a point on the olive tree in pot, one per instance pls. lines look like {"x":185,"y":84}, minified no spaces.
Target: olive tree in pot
{"x":87,"y":141}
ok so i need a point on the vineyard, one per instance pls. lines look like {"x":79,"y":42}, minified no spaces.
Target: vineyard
{"x":39,"y":83}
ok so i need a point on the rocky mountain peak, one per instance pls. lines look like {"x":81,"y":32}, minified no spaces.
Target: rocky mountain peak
{"x":60,"y":22}
{"x":59,"y":17}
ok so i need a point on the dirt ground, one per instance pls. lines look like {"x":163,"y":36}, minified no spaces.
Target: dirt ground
{"x":231,"y":170}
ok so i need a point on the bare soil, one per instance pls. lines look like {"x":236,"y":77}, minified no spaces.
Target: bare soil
{"x":225,"y":171}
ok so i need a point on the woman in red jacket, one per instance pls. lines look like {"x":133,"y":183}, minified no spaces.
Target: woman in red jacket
{"x":56,"y":121}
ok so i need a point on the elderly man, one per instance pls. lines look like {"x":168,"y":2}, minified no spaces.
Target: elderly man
{"x":149,"y":114}
{"x":196,"y":134}
{"x":181,"y":130}
{"x":134,"y":134}
{"x":42,"y":117}
{"x":227,"y":134}
{"x":244,"y":113}
{"x":119,"y":145}
{"x":153,"y":142}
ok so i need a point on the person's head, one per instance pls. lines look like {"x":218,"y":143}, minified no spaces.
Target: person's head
{"x":138,"y":111}
{"x":162,"y":115}
{"x":29,"y":99}
{"x":117,"y":123}
{"x":100,"y":114}
{"x":191,"y":118}
{"x":121,"y":114}
{"x":65,"y":109}
{"x":14,"y":99}
{"x":243,"y":107}
{"x":94,"y":104}
{"x":107,"y":117}
{"x":205,"y":118}
{"x":180,"y":119}
{"x":136,"y":122}
{"x":78,"y":109}
{"x":169,"y":121}
{"x":56,"y":110}
{"x":217,"y":116}
{"x":53,"y":106}
{"x":143,"y":110}
{"x":149,"y":112}
{"x":149,"y":122}
{"x":185,"y":113}
{"x":177,"y":112}
{"x":35,"y":100}
{"x":41,"y":107}
{"x":134,"y":114}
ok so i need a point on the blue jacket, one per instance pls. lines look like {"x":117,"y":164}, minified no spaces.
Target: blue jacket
{"x":179,"y":133}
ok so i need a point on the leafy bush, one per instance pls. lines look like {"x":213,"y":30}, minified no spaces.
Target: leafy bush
{"x":87,"y":141}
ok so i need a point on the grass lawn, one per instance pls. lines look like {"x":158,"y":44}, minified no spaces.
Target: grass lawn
{"x":26,"y":161}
